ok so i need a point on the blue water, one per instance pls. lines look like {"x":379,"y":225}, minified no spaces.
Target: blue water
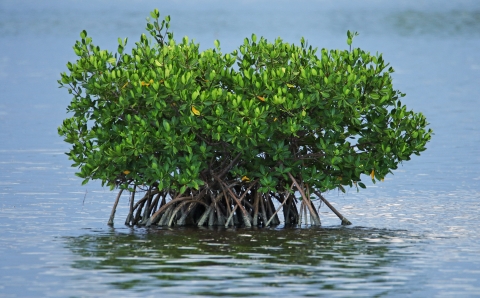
{"x":414,"y":234}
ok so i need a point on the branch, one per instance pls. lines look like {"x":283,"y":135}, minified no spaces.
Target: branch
{"x":232,"y":163}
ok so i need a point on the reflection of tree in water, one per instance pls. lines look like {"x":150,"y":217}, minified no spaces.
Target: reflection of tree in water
{"x":315,"y":259}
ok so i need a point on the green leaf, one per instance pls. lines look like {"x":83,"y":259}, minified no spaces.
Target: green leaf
{"x":166,"y":125}
{"x":169,"y":115}
{"x":183,"y":189}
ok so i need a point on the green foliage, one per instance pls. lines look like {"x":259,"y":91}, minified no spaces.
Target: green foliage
{"x":170,"y":116}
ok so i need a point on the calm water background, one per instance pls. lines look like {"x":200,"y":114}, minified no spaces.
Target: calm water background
{"x":415,"y":234}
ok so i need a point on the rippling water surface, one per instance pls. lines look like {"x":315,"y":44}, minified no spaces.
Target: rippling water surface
{"x":415,"y":234}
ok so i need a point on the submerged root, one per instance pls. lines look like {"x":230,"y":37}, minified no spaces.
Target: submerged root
{"x":232,"y":203}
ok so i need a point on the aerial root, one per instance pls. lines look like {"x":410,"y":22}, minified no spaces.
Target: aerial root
{"x":114,"y":208}
{"x":233,"y":204}
{"x":344,"y":220}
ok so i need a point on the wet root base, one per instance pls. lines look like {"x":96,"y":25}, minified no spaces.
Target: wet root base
{"x":215,"y":209}
{"x":234,"y":204}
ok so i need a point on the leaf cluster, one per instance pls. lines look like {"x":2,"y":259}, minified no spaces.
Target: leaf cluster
{"x":171,"y":116}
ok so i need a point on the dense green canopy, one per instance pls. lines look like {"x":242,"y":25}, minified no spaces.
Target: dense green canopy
{"x":264,"y":119}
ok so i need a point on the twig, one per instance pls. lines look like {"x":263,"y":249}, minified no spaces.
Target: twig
{"x":83,"y":203}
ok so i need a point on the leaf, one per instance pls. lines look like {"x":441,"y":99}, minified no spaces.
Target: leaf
{"x":83,"y":34}
{"x":126,"y":172}
{"x":166,"y":125}
{"x":290,"y":86}
{"x":261,"y":98}
{"x":195,"y":111}
{"x":183,"y":189}
{"x":195,"y":94}
{"x":372,"y":174}
{"x":112,"y":60}
{"x":245,"y":178}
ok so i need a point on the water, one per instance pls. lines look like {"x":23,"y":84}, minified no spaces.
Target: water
{"x":415,"y":234}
